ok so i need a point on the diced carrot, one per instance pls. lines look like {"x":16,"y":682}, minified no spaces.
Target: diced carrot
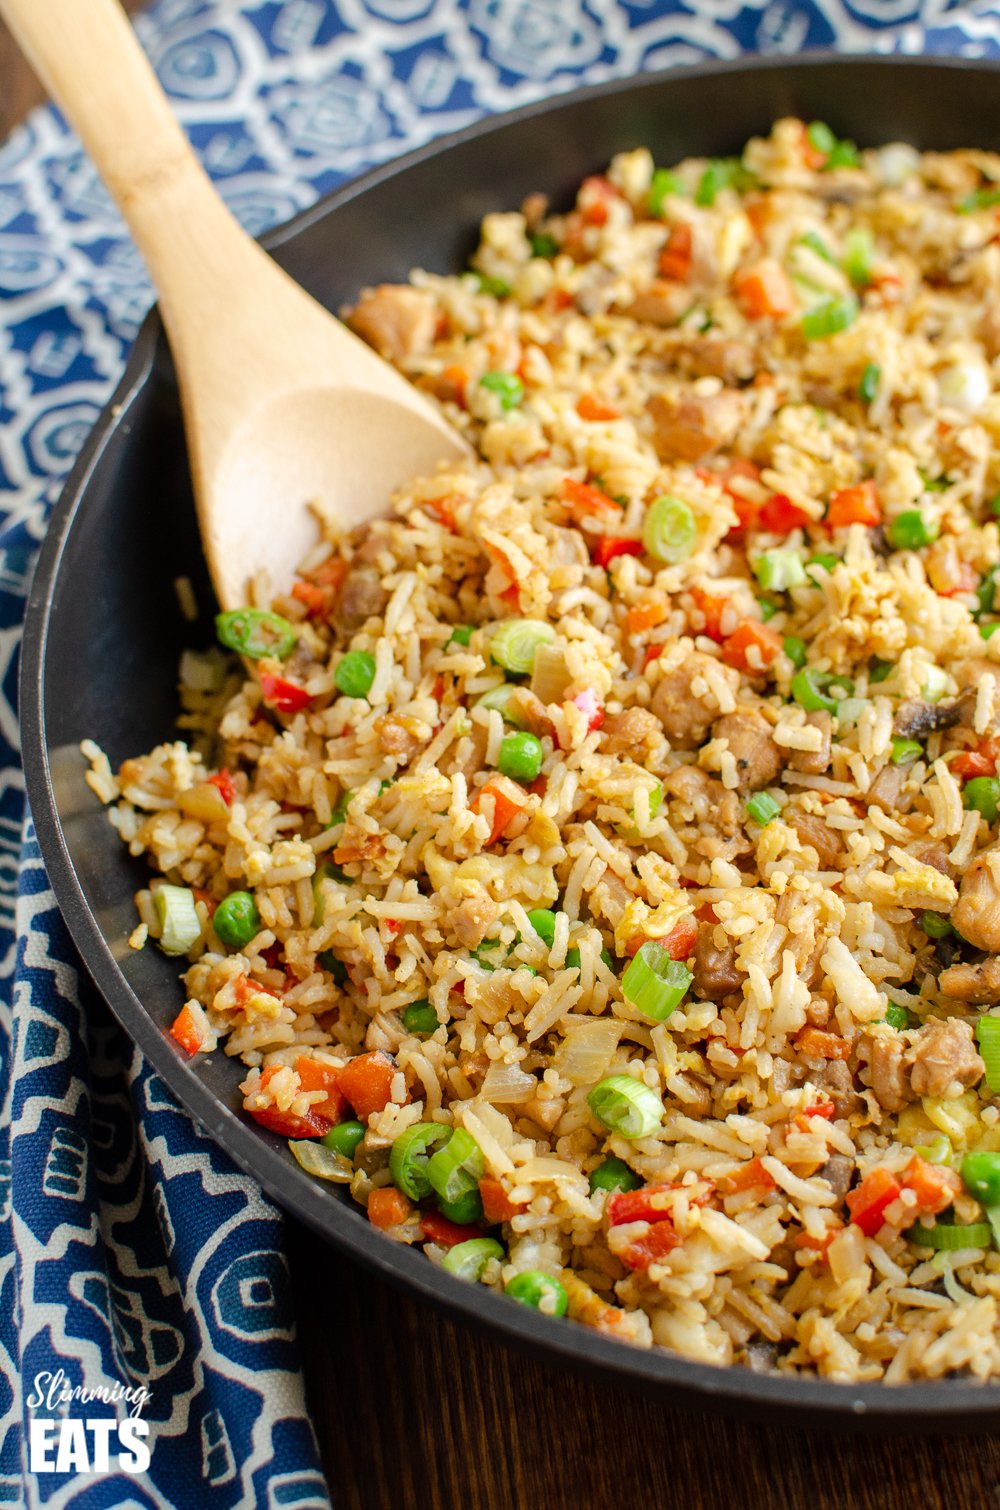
{"x":817,"y":1244}
{"x":497,"y":1204}
{"x":443,"y":509}
{"x":970,"y":764}
{"x":453,"y":384}
{"x":660,"y":1240}
{"x":313,"y":598}
{"x":584,"y":499}
{"x":331,"y":574}
{"x":287,"y":1124}
{"x":934,"y":1185}
{"x":653,"y":653}
{"x":779,"y":515}
{"x":506,"y":805}
{"x":752,"y":1176}
{"x":609,"y":546}
{"x":438,"y":1229}
{"x":367,"y":1082}
{"x":650,"y":1204}
{"x":812,"y":157}
{"x":751,"y":647}
{"x":711,"y":606}
{"x":227,"y":789}
{"x":764,"y":290}
{"x":680,"y":941}
{"x":820,"y":1045}
{"x":590,"y":407}
{"x":676,"y":256}
{"x":965,"y":579}
{"x":856,"y":505}
{"x":186,"y":1030}
{"x":388,"y":1207}
{"x":823,"y":1109}
{"x":315,"y":1076}
{"x":645,"y":616}
{"x":867,"y":1204}
{"x":593,"y":198}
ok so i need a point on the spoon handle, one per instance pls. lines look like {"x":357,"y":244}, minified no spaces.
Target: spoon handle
{"x":87,"y":56}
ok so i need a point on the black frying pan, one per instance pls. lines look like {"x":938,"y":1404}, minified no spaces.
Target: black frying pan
{"x":103,"y":632}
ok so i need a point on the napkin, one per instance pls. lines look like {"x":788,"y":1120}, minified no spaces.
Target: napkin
{"x":143,"y":1282}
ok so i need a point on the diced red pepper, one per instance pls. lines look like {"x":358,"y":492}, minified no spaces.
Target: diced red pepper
{"x":676,"y":256}
{"x":314,"y":1076}
{"x":867,"y":1204}
{"x":388,"y":1207}
{"x":764,"y":290}
{"x":653,"y":653}
{"x":186,"y":1031}
{"x":590,"y":407}
{"x":823,"y":1109}
{"x":584,"y":499}
{"x":609,"y":546}
{"x":283,"y":695}
{"x":438,"y":1229}
{"x":497,"y":1204}
{"x":224,"y":782}
{"x":367,"y":1082}
{"x":982,"y":761}
{"x":750,"y":636}
{"x":779,"y":515}
{"x":645,"y":1205}
{"x":751,"y":1176}
{"x":654,"y":1245}
{"x":856,"y":505}
{"x":505,"y":806}
{"x":589,"y":706}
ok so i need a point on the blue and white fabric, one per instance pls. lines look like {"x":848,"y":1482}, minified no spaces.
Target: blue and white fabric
{"x":135,"y":1260}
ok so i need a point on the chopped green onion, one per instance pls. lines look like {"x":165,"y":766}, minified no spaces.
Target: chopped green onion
{"x":344,"y":1138}
{"x":499,"y":698}
{"x":879,"y":670}
{"x":910,"y":530}
{"x":339,"y":813}
{"x":821,"y":137}
{"x":540,"y":1291}
{"x":664,"y":183}
{"x":506,"y":385}
{"x":420,"y":1017}
{"x":986,"y":592}
{"x":543,"y":245}
{"x":859,"y":250}
{"x":982,"y":795}
{"x":768,"y":609}
{"x":988,"y":1039}
{"x":808,"y":685}
{"x":795,"y":649}
{"x":466,"y":1210}
{"x":934,"y":484}
{"x":515,"y":642}
{"x":335,"y":966}
{"x":980,"y":199}
{"x":614,"y":1174}
{"x":457,"y":1167}
{"x":850,"y":709}
{"x":626,"y":1106}
{"x":460,"y":635}
{"x":482,"y":951}
{"x":897,"y":1016}
{"x":237,"y":920}
{"x":355,"y":673}
{"x":498,"y":287}
{"x":826,"y":559}
{"x":987,"y":631}
{"x":906,"y":751}
{"x":573,"y":959}
{"x":521,"y":756}
{"x":669,"y":531}
{"x":951,"y":1236}
{"x":544,"y":923}
{"x":843,"y":155}
{"x":830,"y":317}
{"x":980,"y":1173}
{"x":870,"y":379}
{"x":778,"y":570}
{"x":412,"y":1153}
{"x":256,"y":632}
{"x":722,"y":173}
{"x":994,"y":506}
{"x":654,"y":983}
{"x":937,"y":1151}
{"x":935,"y":925}
{"x":180,"y":925}
{"x":814,"y":241}
{"x":468,"y":1260}
{"x":761,"y":807}
{"x":936,"y":685}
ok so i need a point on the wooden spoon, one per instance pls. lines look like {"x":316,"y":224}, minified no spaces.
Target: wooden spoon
{"x":283,"y":406}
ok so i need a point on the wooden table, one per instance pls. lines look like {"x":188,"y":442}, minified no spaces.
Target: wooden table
{"x":417,"y":1413}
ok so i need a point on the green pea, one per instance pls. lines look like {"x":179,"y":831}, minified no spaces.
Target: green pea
{"x":466,"y":1210}
{"x":420,"y":1017}
{"x":355,"y":673}
{"x":344,"y":1138}
{"x":614,"y":1174}
{"x":237,"y":920}
{"x":543,"y":1292}
{"x":544,"y":923}
{"x":981,"y":1177}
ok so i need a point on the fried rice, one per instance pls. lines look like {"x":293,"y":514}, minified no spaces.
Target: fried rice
{"x":723,"y":823}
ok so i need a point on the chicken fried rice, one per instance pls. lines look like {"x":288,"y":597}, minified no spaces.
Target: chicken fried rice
{"x":600,"y":874}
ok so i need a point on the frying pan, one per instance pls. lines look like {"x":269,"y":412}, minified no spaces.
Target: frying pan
{"x":103,"y":632}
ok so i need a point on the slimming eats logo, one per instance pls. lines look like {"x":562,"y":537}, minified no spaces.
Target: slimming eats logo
{"x":58,"y":1443}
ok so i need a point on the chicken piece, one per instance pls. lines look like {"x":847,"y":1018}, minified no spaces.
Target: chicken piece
{"x":400,"y":735}
{"x":610,"y":897}
{"x":473,"y":918}
{"x":475,"y":741}
{"x":399,"y":321}
{"x":977,"y":983}
{"x":758,"y":759}
{"x":943,"y":1056}
{"x":968,"y":674}
{"x":691,"y":427}
{"x":362,"y":597}
{"x":634,"y":732}
{"x":717,"y":356}
{"x":710,"y":800}
{"x":916,"y":718}
{"x":886,"y":790}
{"x":838,"y":1171}
{"x":716,"y":973}
{"x":989,"y":330}
{"x":568,"y":547}
{"x":686,"y":715}
{"x":834,"y":1077}
{"x":662,"y":303}
{"x":976,"y":914}
{"x":815,"y":762}
{"x":827,"y":842}
{"x":802,"y":941}
{"x":887,"y":1069}
{"x":936,"y":856}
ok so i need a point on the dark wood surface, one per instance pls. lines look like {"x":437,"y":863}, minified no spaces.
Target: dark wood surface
{"x":414,"y":1412}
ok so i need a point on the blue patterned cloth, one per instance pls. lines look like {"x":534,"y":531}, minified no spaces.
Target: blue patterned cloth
{"x":134,"y":1257}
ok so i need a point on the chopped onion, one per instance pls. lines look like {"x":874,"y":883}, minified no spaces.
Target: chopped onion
{"x":587,"y":1050}
{"x":316,"y":1159}
{"x":895,"y":163}
{"x":550,"y":674}
{"x":507,"y":1084}
{"x":964,"y":386}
